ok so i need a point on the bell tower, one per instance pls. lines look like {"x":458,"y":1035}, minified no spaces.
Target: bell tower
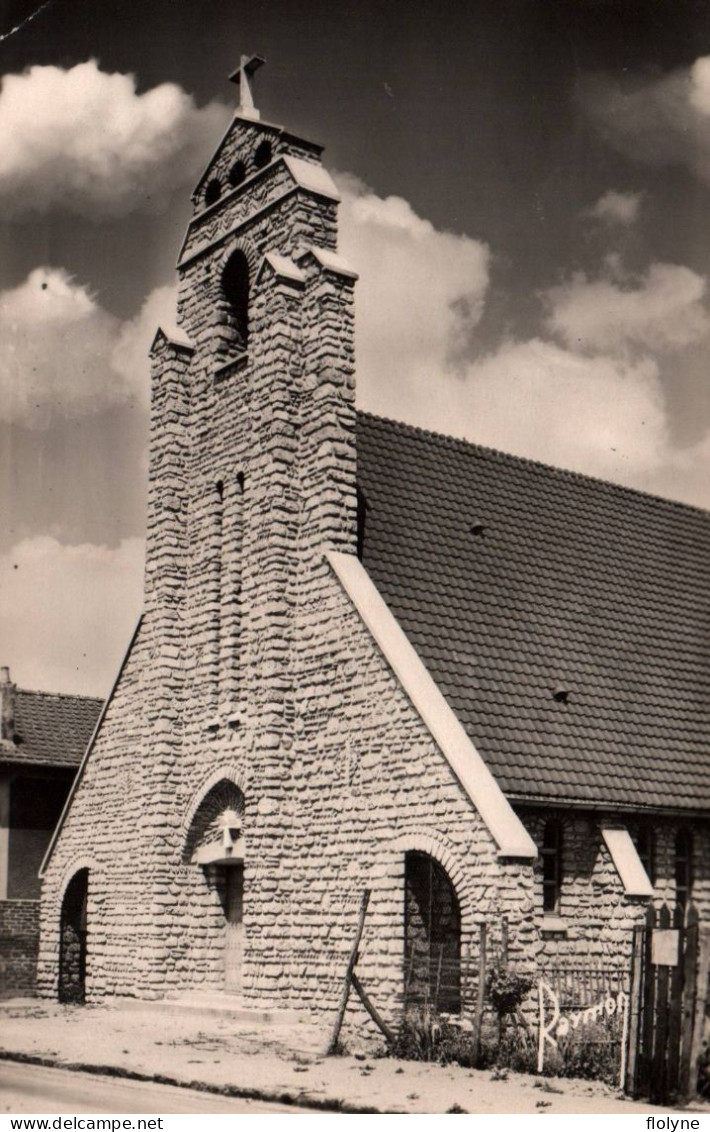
{"x":252,"y":473}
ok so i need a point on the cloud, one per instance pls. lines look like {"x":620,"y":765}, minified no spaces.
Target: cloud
{"x":64,"y":355}
{"x":662,"y":310}
{"x":421,"y":292}
{"x":87,"y":142}
{"x":616,"y":208}
{"x":602,"y":415}
{"x":129,"y":356}
{"x":68,"y":612}
{"x":587,"y":393}
{"x":659,"y":121}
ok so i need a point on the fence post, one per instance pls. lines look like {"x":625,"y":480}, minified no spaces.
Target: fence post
{"x":687,"y":1084}
{"x":624,"y":1044}
{"x":675,"y":1007}
{"x":408,"y":980}
{"x":335,"y":1036}
{"x":634,"y":1011}
{"x":701,"y":993}
{"x":649,"y":974}
{"x":480,"y":994}
{"x":659,"y":1075}
{"x":438,"y":977}
{"x":541,"y":1031}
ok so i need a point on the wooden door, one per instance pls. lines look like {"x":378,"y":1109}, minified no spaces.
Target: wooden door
{"x":234,"y":926}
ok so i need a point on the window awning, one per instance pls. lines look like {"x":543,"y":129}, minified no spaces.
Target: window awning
{"x":627,"y":862}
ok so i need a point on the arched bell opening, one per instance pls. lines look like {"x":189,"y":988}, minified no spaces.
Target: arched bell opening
{"x":432,"y":936}
{"x":73,"y":937}
{"x":235,"y":291}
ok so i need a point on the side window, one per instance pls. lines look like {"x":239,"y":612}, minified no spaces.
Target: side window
{"x":683,"y":867}
{"x":551,"y":866}
{"x":646,"y":848}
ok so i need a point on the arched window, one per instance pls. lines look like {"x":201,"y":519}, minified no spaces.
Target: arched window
{"x":262,"y":154}
{"x":213,"y":192}
{"x":72,"y":941}
{"x":235,"y":287}
{"x":551,"y":854}
{"x":432,"y":936}
{"x":237,"y":173}
{"x":683,"y":867}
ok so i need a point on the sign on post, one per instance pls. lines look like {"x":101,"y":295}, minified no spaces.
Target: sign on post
{"x":664,"y":947}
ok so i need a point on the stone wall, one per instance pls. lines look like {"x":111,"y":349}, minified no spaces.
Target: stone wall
{"x":19,"y":942}
{"x":598,"y":917}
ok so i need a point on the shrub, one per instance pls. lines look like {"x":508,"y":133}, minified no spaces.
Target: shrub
{"x":506,"y":989}
{"x":425,"y":1035}
{"x":590,"y":1052}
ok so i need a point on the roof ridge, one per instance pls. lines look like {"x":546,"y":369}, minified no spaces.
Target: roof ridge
{"x":59,"y":695}
{"x":562,"y":473}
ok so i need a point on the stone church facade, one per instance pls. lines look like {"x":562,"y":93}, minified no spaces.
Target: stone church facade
{"x":367,"y":659}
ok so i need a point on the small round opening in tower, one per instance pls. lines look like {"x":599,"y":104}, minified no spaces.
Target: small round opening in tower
{"x":237,"y":173}
{"x":262,"y":154}
{"x":213,"y":192}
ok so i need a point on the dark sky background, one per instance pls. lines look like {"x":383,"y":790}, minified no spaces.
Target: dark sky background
{"x":470,"y":111}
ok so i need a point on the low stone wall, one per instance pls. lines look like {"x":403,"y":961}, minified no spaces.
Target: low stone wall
{"x":19,"y":945}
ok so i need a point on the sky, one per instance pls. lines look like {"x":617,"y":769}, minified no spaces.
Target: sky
{"x":525,"y":191}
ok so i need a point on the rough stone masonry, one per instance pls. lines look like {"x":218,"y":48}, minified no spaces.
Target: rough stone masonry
{"x":260,"y":760}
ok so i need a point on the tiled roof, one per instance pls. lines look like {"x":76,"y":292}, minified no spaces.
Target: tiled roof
{"x":513,"y":580}
{"x":52,"y":729}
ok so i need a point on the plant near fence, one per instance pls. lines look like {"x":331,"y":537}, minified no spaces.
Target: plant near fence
{"x":427,"y":1033}
{"x":593,"y":1053}
{"x":582,"y":1022}
{"x":496,"y":1028}
{"x":506,"y":989}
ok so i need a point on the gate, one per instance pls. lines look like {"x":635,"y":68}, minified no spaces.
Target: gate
{"x":662,"y":1044}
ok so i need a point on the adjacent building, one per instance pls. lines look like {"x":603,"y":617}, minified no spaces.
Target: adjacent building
{"x":42,"y":739}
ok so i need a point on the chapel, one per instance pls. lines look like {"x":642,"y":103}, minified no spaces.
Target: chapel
{"x":370,"y":657}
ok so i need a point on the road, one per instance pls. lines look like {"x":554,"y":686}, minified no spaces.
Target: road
{"x":34,"y":1089}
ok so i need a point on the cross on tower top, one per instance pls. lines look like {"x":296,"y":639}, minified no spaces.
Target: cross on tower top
{"x":243,"y":75}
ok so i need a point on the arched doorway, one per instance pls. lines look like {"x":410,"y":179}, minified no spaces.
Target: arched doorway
{"x":72,"y":942}
{"x":215,"y":844}
{"x":432,"y":936}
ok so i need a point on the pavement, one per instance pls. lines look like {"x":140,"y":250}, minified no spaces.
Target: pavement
{"x":277,"y":1059}
{"x":35,"y":1089}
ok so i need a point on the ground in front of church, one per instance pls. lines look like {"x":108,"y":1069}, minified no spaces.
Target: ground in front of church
{"x":276,"y":1061}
